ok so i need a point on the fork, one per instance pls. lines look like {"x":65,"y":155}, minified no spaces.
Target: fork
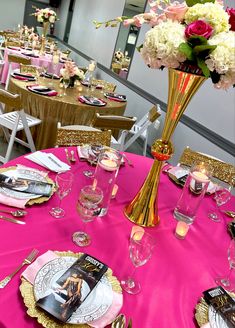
{"x":29,"y":259}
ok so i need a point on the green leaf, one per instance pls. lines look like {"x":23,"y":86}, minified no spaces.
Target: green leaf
{"x":207,"y":49}
{"x":114,"y":25}
{"x":186,"y":50}
{"x":191,"y":3}
{"x":201,"y":64}
{"x":195,"y":40}
{"x":139,"y":47}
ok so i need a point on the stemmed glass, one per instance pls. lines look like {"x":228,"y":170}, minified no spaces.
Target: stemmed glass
{"x":64,"y":182}
{"x":222,"y":196}
{"x":65,"y":85}
{"x":227,"y":282}
{"x":140,"y":248}
{"x":88,"y":207}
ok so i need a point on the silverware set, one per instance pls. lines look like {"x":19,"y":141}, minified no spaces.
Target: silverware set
{"x":28,"y":260}
{"x":70,"y":157}
{"x":16,"y":213}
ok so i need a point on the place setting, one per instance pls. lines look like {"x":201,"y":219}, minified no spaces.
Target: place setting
{"x":27,"y":77}
{"x":92,"y":101}
{"x":42,"y":90}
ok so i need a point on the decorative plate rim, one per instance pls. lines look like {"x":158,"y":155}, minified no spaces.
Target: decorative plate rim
{"x":38,"y":200}
{"x":27,"y":292}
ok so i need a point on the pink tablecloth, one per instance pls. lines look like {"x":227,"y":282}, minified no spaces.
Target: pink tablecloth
{"x":172,"y":281}
{"x":45,"y":61}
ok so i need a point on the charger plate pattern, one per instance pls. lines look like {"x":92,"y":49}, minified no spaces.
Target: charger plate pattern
{"x":27,"y":292}
{"x":202,"y":312}
{"x":31,"y":174}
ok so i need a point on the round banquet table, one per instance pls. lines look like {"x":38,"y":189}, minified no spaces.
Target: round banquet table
{"x":41,"y":61}
{"x":172,"y":281}
{"x":66,"y":109}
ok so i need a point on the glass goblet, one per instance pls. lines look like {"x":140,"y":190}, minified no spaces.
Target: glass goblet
{"x":222,"y":196}
{"x":88,"y":208}
{"x":64,"y":182}
{"x":65,"y":85}
{"x":227,"y":282}
{"x":140,"y":248}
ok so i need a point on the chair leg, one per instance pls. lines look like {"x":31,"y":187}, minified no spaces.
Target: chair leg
{"x":27,"y":132}
{"x":11,"y":141}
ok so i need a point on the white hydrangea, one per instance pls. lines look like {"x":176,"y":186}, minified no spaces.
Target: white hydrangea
{"x":79,"y":73}
{"x":212,"y":13}
{"x":222,"y":59}
{"x":161,"y":45}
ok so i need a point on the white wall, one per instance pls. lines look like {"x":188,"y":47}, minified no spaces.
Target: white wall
{"x":11,"y":13}
{"x":62,"y":14}
{"x":98,"y":44}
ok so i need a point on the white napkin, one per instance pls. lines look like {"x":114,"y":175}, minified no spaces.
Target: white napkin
{"x":49,"y":161}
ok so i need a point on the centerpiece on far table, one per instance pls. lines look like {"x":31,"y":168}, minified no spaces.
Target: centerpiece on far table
{"x":46,"y":16}
{"x":195,"y":40}
{"x":71,"y":73}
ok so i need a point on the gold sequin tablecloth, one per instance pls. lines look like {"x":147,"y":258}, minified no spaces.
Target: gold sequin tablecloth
{"x":67,"y":109}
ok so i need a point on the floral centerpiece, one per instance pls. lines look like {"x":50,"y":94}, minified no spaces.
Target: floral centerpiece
{"x":71,"y":73}
{"x":195,"y":40}
{"x":45,"y":15}
{"x":197,"y":37}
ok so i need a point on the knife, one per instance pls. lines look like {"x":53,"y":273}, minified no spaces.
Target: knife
{"x":54,"y":161}
{"x":11,"y":220}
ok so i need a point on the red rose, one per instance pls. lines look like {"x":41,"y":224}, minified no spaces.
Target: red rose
{"x":231,"y":13}
{"x":199,"y":28}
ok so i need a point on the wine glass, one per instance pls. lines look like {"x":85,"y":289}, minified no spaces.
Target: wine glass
{"x":88,"y":207}
{"x":64,"y":182}
{"x":65,"y":85}
{"x":140,"y":248}
{"x":227,"y":282}
{"x":222,"y":196}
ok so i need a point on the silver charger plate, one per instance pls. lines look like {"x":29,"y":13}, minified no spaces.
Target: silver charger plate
{"x":216,"y":321}
{"x":21,"y":173}
{"x":94,"y":306}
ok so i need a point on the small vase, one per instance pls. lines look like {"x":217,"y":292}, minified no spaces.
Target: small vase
{"x":45,"y":28}
{"x":71,"y":83}
{"x":143,"y":210}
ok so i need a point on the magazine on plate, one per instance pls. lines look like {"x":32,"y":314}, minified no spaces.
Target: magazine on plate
{"x":26,"y":185}
{"x":73,"y":287}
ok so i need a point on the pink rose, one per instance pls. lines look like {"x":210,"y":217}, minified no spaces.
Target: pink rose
{"x":231,"y":13}
{"x":128,"y":22}
{"x":199,"y":28}
{"x":176,"y":11}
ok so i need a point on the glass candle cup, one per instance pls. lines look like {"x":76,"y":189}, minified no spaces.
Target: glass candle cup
{"x":192,"y":193}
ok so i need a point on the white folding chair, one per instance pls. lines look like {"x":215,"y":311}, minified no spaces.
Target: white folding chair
{"x":15,"y":121}
{"x":114,"y":122}
{"x":141,"y":128}
{"x":18,"y":60}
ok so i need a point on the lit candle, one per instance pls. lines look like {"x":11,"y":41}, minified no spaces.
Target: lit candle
{"x":91,"y":67}
{"x":108,"y":164}
{"x":135,"y":229}
{"x":200,"y":176}
{"x":181,"y":230}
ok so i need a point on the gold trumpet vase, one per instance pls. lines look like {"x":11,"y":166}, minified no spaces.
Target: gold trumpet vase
{"x":143,"y":210}
{"x":43,"y":38}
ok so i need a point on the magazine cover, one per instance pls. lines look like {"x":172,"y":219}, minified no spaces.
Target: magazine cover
{"x":26,"y":185}
{"x":73,"y":287}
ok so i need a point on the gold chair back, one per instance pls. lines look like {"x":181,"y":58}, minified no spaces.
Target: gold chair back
{"x":220,"y":170}
{"x":28,"y":69}
{"x":113,"y":122}
{"x":69,"y":137}
{"x":9,"y":43}
{"x":10,"y":99}
{"x":109,"y":87}
{"x":19,"y":59}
